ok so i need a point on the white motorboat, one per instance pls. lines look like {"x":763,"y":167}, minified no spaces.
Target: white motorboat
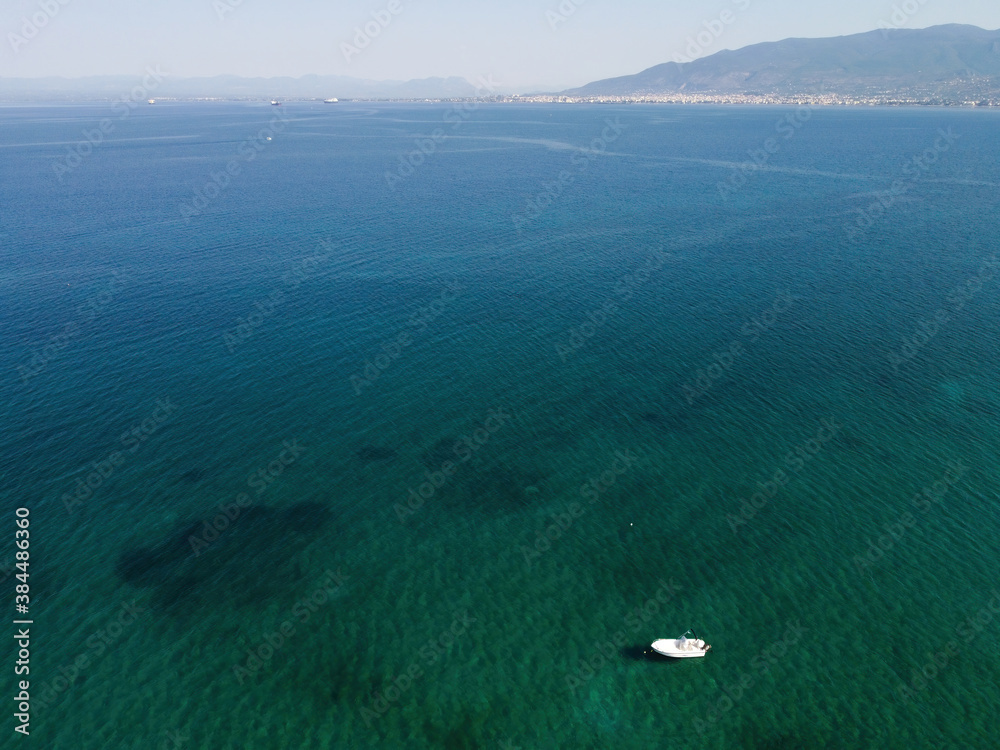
{"x":683,"y":647}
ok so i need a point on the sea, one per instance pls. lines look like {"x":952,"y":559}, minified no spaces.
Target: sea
{"x":414,"y":425}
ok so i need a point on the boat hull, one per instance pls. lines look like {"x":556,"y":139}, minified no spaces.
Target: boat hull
{"x":668,"y":647}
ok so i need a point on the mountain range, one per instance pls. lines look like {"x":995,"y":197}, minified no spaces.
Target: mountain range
{"x":952,"y":60}
{"x":941,"y":63}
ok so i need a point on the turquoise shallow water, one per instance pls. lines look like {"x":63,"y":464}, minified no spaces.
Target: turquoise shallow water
{"x":472,"y":415}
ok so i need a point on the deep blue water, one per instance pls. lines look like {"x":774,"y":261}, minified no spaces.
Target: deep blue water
{"x":494,"y":396}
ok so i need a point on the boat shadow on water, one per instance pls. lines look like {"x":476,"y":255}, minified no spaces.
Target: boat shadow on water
{"x":645,"y":653}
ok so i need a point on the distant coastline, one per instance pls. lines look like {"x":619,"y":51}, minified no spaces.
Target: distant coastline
{"x":825,"y":100}
{"x":952,"y":65}
{"x":883,"y":100}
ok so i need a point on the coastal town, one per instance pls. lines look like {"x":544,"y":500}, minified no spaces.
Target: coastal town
{"x":871,"y":100}
{"x":819,"y":100}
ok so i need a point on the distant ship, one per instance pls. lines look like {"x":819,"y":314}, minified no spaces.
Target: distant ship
{"x":152,"y":101}
{"x":275,"y":103}
{"x":330,"y":101}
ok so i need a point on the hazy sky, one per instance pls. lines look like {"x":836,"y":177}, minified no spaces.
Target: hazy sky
{"x":513,"y":41}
